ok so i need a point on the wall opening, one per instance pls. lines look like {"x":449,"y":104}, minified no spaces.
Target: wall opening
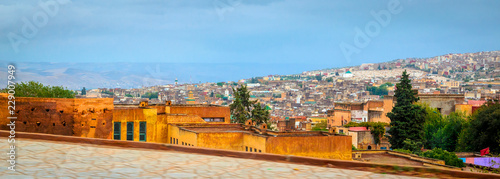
{"x":369,"y":147}
{"x":142,"y":131}
{"x":38,"y":123}
{"x":47,"y":110}
{"x":117,"y":130}
{"x":24,"y":122}
{"x":61,"y":111}
{"x":53,"y":124}
{"x":130,"y":130}
{"x":64,"y":123}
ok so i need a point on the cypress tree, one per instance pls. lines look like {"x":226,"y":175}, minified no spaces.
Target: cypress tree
{"x":407,"y":118}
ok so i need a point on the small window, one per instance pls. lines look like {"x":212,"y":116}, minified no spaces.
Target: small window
{"x":93,"y":119}
{"x":260,"y":151}
{"x":47,"y":110}
{"x":170,"y":140}
{"x":38,"y":123}
{"x":92,"y":127}
{"x":251,"y":149}
{"x":182,"y":143}
{"x":246,"y":148}
{"x":130,"y":130}
{"x":142,"y":131}
{"x":117,"y":130}
{"x":53,"y":124}
{"x":176,"y":141}
{"x":254,"y":150}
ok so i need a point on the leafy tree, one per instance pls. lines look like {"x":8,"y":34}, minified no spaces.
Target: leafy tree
{"x":482,"y":130}
{"x":433,"y":122}
{"x":108,"y":92}
{"x":381,"y":90}
{"x":150,"y":95}
{"x":84,"y":92}
{"x":413,"y":146}
{"x":407,"y":118}
{"x":243,"y":108}
{"x":329,"y":79}
{"x":37,"y":89}
{"x":220,"y":83}
{"x":354,"y":148}
{"x":321,"y":126}
{"x":128,"y":95}
{"x":447,"y":136}
{"x":319,"y":77}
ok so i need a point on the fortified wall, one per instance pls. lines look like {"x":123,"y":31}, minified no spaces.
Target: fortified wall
{"x":190,"y":125}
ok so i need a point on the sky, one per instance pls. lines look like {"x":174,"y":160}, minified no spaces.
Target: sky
{"x":306,"y":34}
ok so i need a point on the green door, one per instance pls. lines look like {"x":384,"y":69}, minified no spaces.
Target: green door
{"x":142,"y":131}
{"x":130,"y":130}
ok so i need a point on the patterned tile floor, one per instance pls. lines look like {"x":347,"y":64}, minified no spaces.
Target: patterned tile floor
{"x":48,"y":159}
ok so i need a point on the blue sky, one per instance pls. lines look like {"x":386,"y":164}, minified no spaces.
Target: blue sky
{"x":242,"y":31}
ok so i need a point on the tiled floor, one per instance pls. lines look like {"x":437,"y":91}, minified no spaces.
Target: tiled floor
{"x":48,"y":159}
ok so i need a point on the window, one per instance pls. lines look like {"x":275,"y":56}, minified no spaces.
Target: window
{"x":182,"y":143}
{"x":246,"y":148}
{"x":142,"y":131}
{"x":117,"y":130}
{"x":250,"y":149}
{"x":176,"y":141}
{"x":130,"y":130}
{"x":217,"y":119}
{"x":170,"y":140}
{"x":254,"y":150}
{"x":260,"y":151}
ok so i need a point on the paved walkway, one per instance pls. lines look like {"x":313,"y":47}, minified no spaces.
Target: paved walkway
{"x":48,"y":159}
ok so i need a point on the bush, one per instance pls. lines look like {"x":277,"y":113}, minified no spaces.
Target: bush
{"x":403,"y":150}
{"x":376,"y":128}
{"x":354,"y":148}
{"x":449,"y":157}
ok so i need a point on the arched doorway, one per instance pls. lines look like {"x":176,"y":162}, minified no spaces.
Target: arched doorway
{"x":369,"y":147}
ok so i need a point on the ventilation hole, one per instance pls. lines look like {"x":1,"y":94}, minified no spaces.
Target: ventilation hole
{"x":93,"y":119}
{"x":64,"y":123}
{"x":61,"y":111}
{"x":53,"y":124}
{"x":24,"y":122}
{"x":47,"y":110}
{"x":17,"y":111}
{"x":32,"y":109}
{"x":38,"y":123}
{"x":82,"y":125}
{"x":103,"y":123}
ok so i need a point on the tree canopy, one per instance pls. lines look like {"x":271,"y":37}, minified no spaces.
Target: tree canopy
{"x":243,"y":108}
{"x":482,"y":131}
{"x":37,"y":89}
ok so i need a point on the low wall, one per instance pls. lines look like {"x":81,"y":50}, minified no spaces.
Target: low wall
{"x":344,"y":164}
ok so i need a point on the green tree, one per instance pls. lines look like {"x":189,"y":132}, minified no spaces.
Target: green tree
{"x":150,"y":95}
{"x":128,"y":95}
{"x":407,"y":118}
{"x":329,"y":79}
{"x":243,"y":108}
{"x":321,"y":126}
{"x":413,"y":146}
{"x":482,"y":130}
{"x":37,"y":89}
{"x":433,"y":122}
{"x":84,"y":92}
{"x":447,"y":136}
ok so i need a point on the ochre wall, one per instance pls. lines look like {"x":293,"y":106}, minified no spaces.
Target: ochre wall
{"x":331,"y":147}
{"x":136,"y":115}
{"x":465,"y":108}
{"x":339,"y":115}
{"x":221,"y":140}
{"x":255,"y":142}
{"x":202,"y":111}
{"x":87,"y":109}
{"x":61,"y":116}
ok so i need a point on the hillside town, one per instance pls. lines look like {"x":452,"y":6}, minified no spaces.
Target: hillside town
{"x":312,"y":94}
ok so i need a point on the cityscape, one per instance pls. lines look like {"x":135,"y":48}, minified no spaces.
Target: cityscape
{"x":216,"y":90}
